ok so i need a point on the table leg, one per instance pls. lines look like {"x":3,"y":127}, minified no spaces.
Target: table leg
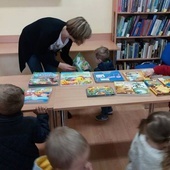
{"x":62,"y":117}
{"x":151,"y":108}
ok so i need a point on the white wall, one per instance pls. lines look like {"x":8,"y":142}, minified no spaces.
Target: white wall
{"x":16,"y":14}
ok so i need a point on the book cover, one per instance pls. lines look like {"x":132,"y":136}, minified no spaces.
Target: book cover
{"x":165,"y":80}
{"x":131,"y":88}
{"x":134,"y":75}
{"x":80,"y":63}
{"x":95,"y":91}
{"x":37,"y":95}
{"x":75,"y":78}
{"x":44,"y":79}
{"x":107,"y":76}
{"x":160,"y":90}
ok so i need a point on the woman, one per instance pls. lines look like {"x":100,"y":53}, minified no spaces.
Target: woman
{"x":40,"y":41}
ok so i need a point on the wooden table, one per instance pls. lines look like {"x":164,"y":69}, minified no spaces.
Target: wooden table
{"x":74,"y":97}
{"x":22,"y":81}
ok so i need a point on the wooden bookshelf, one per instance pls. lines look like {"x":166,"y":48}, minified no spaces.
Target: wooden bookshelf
{"x":141,"y":29}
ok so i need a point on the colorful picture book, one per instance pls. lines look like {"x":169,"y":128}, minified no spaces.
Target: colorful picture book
{"x":75,"y":78}
{"x":95,"y":91}
{"x":37,"y":95}
{"x":160,"y":90}
{"x":132,"y":88}
{"x":44,"y":79}
{"x":157,"y":86}
{"x":107,"y":76}
{"x":80,"y":63}
{"x":165,"y":80}
{"x":134,"y":75}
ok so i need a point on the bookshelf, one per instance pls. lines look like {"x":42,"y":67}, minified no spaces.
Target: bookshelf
{"x":141,"y":29}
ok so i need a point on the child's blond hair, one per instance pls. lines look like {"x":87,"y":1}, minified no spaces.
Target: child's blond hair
{"x":79,"y":29}
{"x":102,"y":53}
{"x":11,"y":99}
{"x":64,"y":145}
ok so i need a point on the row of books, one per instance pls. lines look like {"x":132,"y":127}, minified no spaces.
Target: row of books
{"x":143,"y":5}
{"x":127,"y":82}
{"x":141,"y":49}
{"x":137,"y":84}
{"x":151,"y":25}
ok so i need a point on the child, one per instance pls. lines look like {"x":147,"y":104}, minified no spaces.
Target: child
{"x":19,"y":134}
{"x":104,"y":64}
{"x":66,"y":149}
{"x":160,"y":69}
{"x":150,"y":149}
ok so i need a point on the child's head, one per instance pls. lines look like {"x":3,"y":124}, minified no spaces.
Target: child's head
{"x":79,"y":29}
{"x":102,"y":54}
{"x":67,"y":149}
{"x":157,"y":129}
{"x":11,"y":99}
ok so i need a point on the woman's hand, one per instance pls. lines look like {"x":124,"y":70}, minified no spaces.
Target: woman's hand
{"x":66,"y":67}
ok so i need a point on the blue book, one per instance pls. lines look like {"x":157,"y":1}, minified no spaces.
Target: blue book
{"x":107,"y":76}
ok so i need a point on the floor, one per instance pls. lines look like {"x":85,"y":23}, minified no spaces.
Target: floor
{"x":109,"y":140}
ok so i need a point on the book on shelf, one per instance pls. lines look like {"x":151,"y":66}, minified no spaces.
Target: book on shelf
{"x":107,"y":76}
{"x":95,"y":91}
{"x":165,"y":80}
{"x":37,"y":95}
{"x":131,"y":88}
{"x":44,"y":79}
{"x":75,"y":78}
{"x":134,"y":75}
{"x":80,"y":63}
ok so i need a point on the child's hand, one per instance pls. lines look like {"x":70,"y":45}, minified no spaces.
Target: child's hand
{"x":40,"y":110}
{"x":149,"y":72}
{"x":88,"y":166}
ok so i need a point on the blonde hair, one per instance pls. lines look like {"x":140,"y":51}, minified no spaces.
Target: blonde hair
{"x":157,"y":128}
{"x":11,"y":99}
{"x":63,"y":146}
{"x":102,"y":53}
{"x":79,"y":29}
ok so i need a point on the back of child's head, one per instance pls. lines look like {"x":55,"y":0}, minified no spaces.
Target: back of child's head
{"x":157,"y":128}
{"x":11,"y":99}
{"x":63,"y":146}
{"x":102,"y":53}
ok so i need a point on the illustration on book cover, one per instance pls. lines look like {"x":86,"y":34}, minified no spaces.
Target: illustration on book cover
{"x":75,"y":78}
{"x":37,"y":95}
{"x":95,"y":91}
{"x":108,"y":76}
{"x":128,"y":87}
{"x":44,"y":79}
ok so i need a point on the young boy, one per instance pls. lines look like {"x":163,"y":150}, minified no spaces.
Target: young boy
{"x":102,"y":55}
{"x":19,"y":134}
{"x":66,"y":149}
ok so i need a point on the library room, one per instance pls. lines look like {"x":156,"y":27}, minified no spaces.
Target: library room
{"x":85,"y":85}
